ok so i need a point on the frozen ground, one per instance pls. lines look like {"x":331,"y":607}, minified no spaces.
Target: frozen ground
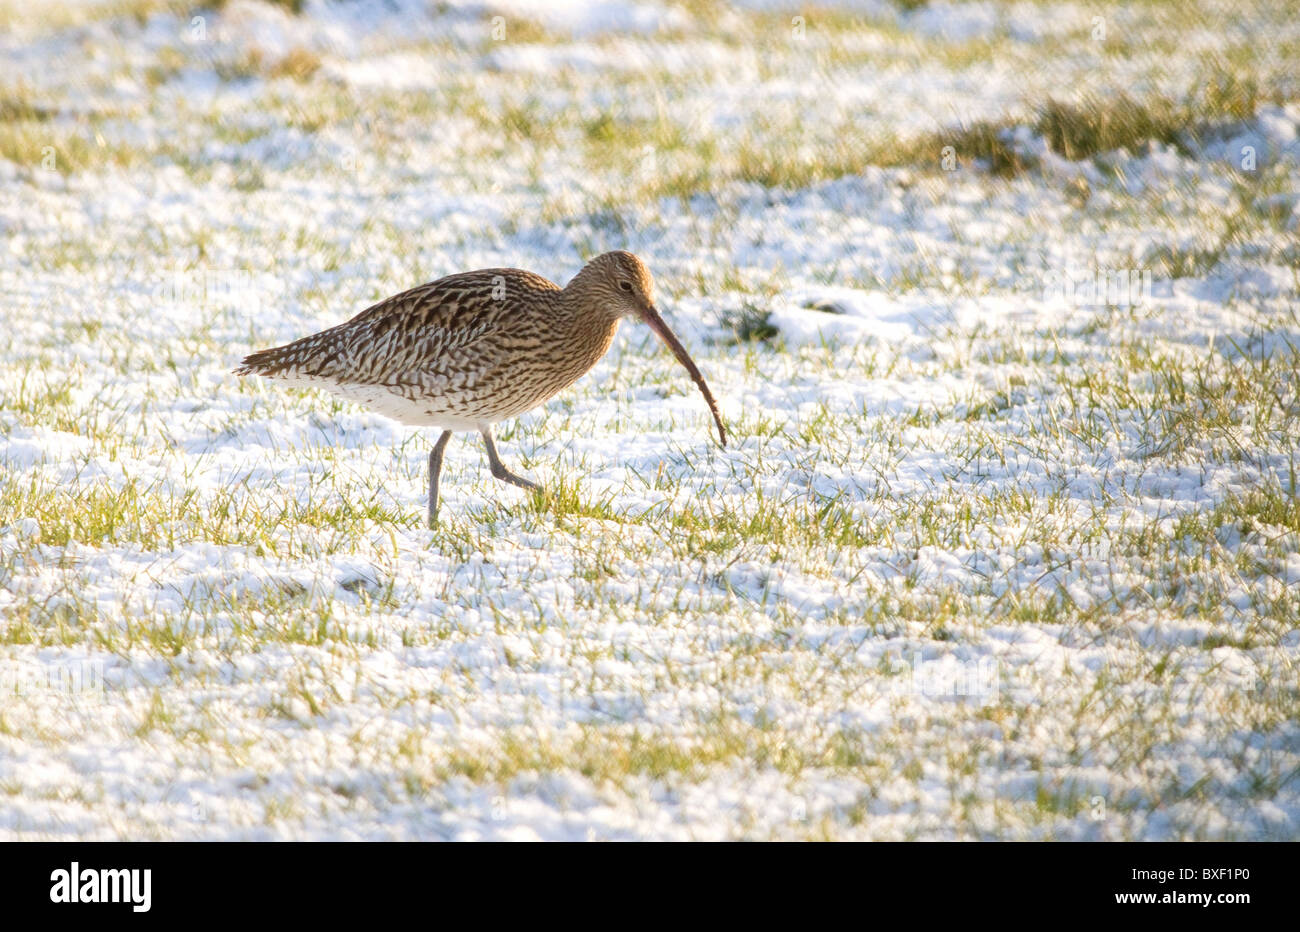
{"x":994,"y":554}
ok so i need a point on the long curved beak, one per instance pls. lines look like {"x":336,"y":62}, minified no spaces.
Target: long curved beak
{"x":651,"y":316}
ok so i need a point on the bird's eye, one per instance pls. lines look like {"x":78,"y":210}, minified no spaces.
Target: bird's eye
{"x":626,"y":286}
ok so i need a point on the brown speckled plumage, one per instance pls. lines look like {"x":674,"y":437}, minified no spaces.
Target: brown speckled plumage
{"x":471,"y":349}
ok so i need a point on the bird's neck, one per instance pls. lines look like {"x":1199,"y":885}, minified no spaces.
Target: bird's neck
{"x":584,"y":290}
{"x":585,"y":303}
{"x":586,"y":321}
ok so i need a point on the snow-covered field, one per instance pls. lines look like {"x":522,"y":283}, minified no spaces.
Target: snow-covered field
{"x":996,"y":551}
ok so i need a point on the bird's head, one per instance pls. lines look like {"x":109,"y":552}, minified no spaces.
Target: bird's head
{"x":620,"y":283}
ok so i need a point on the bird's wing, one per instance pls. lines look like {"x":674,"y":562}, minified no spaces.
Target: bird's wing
{"x":415,"y":335}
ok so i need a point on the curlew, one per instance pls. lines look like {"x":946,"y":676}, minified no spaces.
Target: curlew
{"x":475,"y":348}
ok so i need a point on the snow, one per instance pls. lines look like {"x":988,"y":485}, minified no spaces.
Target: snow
{"x":580,"y":18}
{"x":256,"y":638}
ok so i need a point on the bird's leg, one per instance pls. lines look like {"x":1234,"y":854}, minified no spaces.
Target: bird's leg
{"x":499,"y":468}
{"x":435,"y":472}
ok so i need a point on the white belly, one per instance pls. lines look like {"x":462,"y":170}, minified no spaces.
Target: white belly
{"x":427,"y":412}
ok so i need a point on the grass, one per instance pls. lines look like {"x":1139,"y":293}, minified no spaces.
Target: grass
{"x":291,"y":6}
{"x":689,"y":158}
{"x":299,"y":64}
{"x":750,"y":324}
{"x":1100,"y":504}
{"x":31,"y":141}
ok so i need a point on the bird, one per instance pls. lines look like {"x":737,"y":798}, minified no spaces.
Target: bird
{"x":469,"y":350}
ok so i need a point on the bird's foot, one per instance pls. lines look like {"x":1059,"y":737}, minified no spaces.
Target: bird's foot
{"x":506,"y":475}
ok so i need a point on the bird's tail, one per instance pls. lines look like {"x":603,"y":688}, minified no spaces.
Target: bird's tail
{"x":278,"y":360}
